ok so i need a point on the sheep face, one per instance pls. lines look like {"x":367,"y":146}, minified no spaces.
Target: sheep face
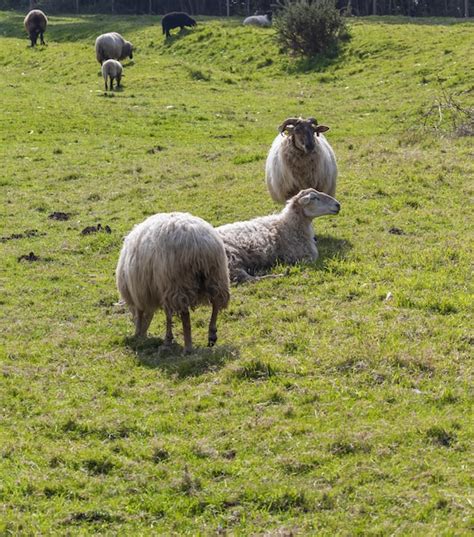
{"x":127,"y":50}
{"x":316,"y":203}
{"x":302,"y":132}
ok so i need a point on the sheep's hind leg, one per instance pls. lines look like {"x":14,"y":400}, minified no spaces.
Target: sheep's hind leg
{"x":169,"y":329}
{"x":241,"y":276}
{"x":238,"y":275}
{"x":142,"y":322}
{"x":212,"y":336}
{"x":188,"y":343}
{"x":42,"y":39}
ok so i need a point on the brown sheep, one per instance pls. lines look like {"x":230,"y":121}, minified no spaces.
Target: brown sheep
{"x":35,"y":24}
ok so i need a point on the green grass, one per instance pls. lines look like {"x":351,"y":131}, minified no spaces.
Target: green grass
{"x":329,"y":406}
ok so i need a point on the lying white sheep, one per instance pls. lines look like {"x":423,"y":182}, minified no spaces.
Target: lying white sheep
{"x":259,"y":20}
{"x":173,"y":261}
{"x":112,"y":70}
{"x":301,"y":159}
{"x":286,"y":237}
{"x":112,"y":46}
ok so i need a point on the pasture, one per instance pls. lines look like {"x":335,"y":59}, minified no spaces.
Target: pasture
{"x":338,"y":399}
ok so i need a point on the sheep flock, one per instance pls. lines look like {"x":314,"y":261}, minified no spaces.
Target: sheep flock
{"x":177,"y":261}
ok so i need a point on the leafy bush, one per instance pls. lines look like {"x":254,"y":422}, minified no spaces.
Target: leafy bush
{"x":310,"y":27}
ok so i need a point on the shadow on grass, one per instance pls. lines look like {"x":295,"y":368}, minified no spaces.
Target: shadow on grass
{"x":71,"y":28}
{"x":110,"y":93}
{"x":329,"y":248}
{"x":175,"y":37}
{"x":318,"y":63}
{"x":151,"y":353}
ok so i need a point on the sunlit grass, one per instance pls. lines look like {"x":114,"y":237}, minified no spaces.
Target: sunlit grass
{"x":338,"y":399}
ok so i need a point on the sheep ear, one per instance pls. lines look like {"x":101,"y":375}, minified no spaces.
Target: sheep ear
{"x":304,"y":200}
{"x":321,"y":128}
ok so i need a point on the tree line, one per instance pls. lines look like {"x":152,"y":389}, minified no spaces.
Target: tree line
{"x":411,"y":8}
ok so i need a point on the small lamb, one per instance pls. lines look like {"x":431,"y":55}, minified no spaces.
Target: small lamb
{"x":300,"y":159}
{"x":173,"y":261}
{"x":286,"y":237}
{"x":112,"y":70}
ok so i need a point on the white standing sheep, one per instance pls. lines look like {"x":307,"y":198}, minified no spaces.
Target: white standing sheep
{"x":112,"y":70}
{"x":112,"y":46}
{"x":301,"y":159}
{"x":286,"y":237}
{"x":259,"y":20}
{"x":173,"y":261}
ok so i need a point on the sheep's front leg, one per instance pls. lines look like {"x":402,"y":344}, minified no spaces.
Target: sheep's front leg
{"x":169,"y":329}
{"x":188,"y":343}
{"x":212,"y":335}
{"x":42,"y":38}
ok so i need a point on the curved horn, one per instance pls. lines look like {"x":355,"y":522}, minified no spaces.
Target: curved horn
{"x":290,"y":121}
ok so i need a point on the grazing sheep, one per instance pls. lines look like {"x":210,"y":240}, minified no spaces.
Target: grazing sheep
{"x":112,"y":69}
{"x":173,"y":261}
{"x":259,"y":20}
{"x":112,"y":46}
{"x":286,"y":237}
{"x":35,"y":24}
{"x":175,"y":19}
{"x":302,"y":159}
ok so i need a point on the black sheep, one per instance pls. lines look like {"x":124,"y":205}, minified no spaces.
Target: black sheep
{"x":175,"y":19}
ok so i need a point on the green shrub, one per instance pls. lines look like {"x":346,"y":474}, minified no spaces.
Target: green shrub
{"x":310,"y":27}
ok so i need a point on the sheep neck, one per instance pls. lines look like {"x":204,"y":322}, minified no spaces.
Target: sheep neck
{"x":294,"y":216}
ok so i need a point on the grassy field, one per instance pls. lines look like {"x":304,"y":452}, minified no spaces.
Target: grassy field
{"x":338,"y":400}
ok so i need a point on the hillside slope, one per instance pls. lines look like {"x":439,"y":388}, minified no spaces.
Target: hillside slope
{"x":339,"y":397}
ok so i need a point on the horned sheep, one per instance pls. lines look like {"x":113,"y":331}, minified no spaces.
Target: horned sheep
{"x":300,"y":157}
{"x":112,"y":70}
{"x":286,"y":237}
{"x":35,"y":24}
{"x":112,"y":46}
{"x":173,"y":261}
{"x":259,"y":20}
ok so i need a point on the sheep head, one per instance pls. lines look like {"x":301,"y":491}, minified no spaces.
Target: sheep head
{"x":127,"y":50}
{"x":316,"y":203}
{"x":302,"y":131}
